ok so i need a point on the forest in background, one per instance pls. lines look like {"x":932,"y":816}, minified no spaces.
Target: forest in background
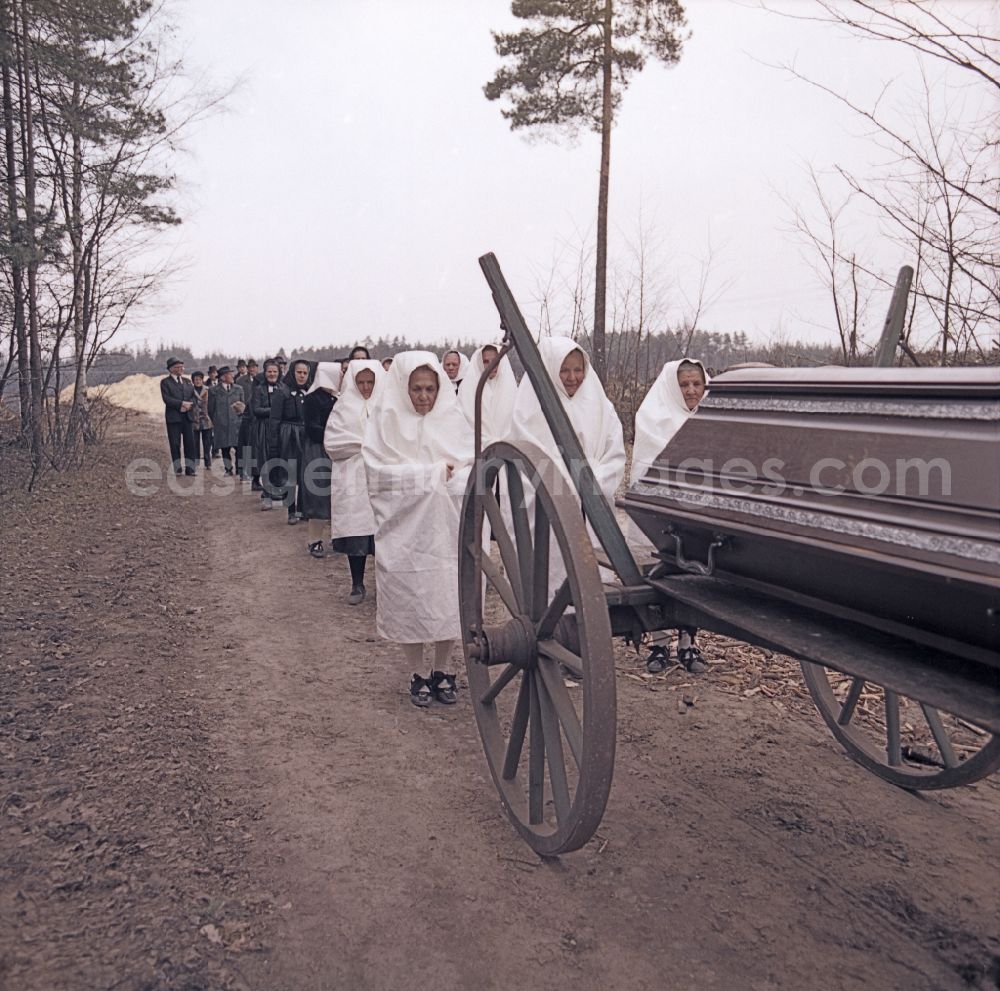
{"x":94,"y":107}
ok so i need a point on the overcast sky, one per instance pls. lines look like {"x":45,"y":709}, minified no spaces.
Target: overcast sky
{"x":358,"y":172}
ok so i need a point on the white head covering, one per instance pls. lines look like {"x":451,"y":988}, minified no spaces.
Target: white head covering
{"x":327,"y":376}
{"x":593,"y":418}
{"x":463,"y":367}
{"x":661,"y":414}
{"x":346,"y":425}
{"x":398,"y":434}
{"x":415,"y":505}
{"x":498,"y":397}
{"x":350,"y":507}
{"x":590,"y":411}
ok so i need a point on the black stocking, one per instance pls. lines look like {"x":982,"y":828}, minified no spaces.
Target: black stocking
{"x":357,"y":563}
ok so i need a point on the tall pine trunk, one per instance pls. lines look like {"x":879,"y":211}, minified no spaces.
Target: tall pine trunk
{"x":76,"y":239}
{"x":13,"y":224}
{"x":601,"y":275}
{"x":34,"y":336}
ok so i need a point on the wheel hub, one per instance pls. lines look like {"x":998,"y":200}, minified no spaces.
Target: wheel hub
{"x":514,"y":642}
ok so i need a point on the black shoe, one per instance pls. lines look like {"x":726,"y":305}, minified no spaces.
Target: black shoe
{"x":690,"y":658}
{"x":444,"y":688}
{"x":317,"y":549}
{"x":190,"y":471}
{"x":292,"y":519}
{"x":357,"y":595}
{"x":420,"y":692}
{"x":228,"y":471}
{"x":178,"y":471}
{"x":256,"y":486}
{"x":658,"y":659}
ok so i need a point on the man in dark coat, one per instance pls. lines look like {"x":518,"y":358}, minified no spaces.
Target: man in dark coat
{"x":225,"y":407}
{"x":243,"y":453}
{"x":178,"y":400}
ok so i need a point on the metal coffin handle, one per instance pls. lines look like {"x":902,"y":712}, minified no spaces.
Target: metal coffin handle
{"x":688,"y":565}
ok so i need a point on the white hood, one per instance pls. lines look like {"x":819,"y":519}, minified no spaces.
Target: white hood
{"x":499,"y":394}
{"x":660,"y":415}
{"x":416,"y":505}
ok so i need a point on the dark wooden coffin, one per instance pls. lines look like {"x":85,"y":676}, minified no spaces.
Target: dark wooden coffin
{"x":872,"y":495}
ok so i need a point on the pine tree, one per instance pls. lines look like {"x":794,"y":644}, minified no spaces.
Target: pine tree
{"x":568,"y":69}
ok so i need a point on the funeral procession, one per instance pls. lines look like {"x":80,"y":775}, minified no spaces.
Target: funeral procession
{"x":500,"y":495}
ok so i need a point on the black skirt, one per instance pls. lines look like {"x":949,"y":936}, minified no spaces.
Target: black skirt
{"x":315,"y":477}
{"x":258,"y":442}
{"x":354,"y":546}
{"x":290,"y":438}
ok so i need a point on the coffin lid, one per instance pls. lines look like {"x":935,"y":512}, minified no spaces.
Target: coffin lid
{"x":981,"y":382}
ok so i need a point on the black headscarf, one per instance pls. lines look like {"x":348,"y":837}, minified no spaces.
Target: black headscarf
{"x":289,"y":378}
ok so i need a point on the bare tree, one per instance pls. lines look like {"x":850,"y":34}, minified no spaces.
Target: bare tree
{"x":937,"y":191}
{"x":568,"y":68}
{"x":92,"y":111}
{"x":844,"y":277}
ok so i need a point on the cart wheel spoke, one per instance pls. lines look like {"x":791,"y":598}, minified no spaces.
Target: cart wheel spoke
{"x":940,"y":735}
{"x":536,"y":758}
{"x":517,"y":727}
{"x":540,"y":577}
{"x":508,"y":554}
{"x":851,"y":702}
{"x":554,"y":611}
{"x":553,"y":751}
{"x":522,"y":530}
{"x":505,"y":677}
{"x":557,"y":652}
{"x":559,"y":697}
{"x":893,"y":740}
{"x":500,"y":583}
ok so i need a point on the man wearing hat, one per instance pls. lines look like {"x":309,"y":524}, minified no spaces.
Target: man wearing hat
{"x":247,"y":373}
{"x":178,"y":400}
{"x":225,"y":407}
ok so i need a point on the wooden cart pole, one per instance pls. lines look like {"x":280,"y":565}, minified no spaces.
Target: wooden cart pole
{"x":892,"y":329}
{"x":595,"y":507}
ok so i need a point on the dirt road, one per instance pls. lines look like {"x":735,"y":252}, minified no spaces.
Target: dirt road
{"x":212,"y":777}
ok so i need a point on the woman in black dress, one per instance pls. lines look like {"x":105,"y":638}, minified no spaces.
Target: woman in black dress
{"x":263,"y":436}
{"x":287,"y":416}
{"x":315,"y":482}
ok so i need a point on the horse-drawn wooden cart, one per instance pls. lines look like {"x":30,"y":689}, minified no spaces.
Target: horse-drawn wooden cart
{"x":849,"y":518}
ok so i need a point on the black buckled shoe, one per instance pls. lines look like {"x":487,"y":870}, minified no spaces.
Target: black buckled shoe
{"x":658,"y":659}
{"x":420,"y":692}
{"x":691,"y":660}
{"x":444,"y":687}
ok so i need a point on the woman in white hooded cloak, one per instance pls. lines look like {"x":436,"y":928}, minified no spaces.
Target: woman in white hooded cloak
{"x":499,"y":394}
{"x":352,"y":522}
{"x":591,"y":414}
{"x":672,"y":400}
{"x":497,"y":409}
{"x":417,"y":452}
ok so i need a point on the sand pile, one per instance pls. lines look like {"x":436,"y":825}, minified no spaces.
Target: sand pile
{"x":137,"y":392}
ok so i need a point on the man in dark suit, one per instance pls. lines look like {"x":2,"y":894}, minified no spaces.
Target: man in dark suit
{"x":178,"y":400}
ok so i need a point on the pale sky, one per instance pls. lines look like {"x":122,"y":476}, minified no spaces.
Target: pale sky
{"x":359,"y":172}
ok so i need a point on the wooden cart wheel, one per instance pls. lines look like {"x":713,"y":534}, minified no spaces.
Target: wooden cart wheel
{"x":550,"y":747}
{"x":901,"y":739}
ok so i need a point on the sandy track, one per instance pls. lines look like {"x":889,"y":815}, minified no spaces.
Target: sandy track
{"x":364,"y":843}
